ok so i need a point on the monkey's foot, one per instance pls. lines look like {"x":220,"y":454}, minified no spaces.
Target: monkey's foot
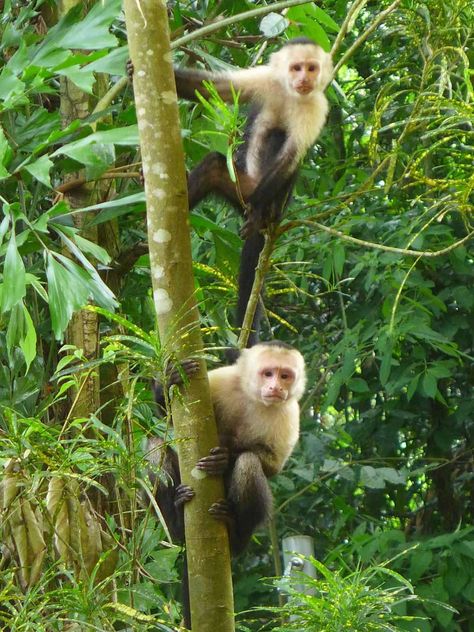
{"x":183,"y":494}
{"x":216,"y":463}
{"x":249,"y":228}
{"x":221,"y":510}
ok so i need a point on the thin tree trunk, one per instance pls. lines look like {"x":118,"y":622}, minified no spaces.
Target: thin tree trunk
{"x":83,"y":330}
{"x":173,"y":290}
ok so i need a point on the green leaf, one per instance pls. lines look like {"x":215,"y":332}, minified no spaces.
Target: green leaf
{"x":28,"y":341}
{"x":92,"y":31}
{"x":358,"y":385}
{"x":12,"y":90}
{"x":93,"y":249}
{"x":371,"y":477}
{"x":98,"y":289}
{"x":14,"y":281}
{"x":6,"y":154}
{"x":411,"y":388}
{"x":273,"y":24}
{"x":339,"y":255}
{"x":391,"y":475}
{"x":324,"y":18}
{"x":386,"y":364}
{"x":420,"y":561}
{"x":429,"y":384}
{"x":82,"y":77}
{"x":81,"y":149}
{"x":67,"y":293}
{"x":114,"y":63}
{"x":40,"y":168}
{"x":4,"y":224}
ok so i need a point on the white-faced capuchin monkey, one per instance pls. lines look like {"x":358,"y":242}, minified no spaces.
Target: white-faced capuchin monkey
{"x":257,"y":414}
{"x":288,"y":112}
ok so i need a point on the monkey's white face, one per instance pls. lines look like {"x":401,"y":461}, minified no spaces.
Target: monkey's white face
{"x":275,"y":382}
{"x":303,"y":75}
{"x":303,"y":68}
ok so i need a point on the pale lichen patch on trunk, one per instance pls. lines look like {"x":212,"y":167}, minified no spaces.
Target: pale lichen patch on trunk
{"x":161,"y":236}
{"x":163,"y":302}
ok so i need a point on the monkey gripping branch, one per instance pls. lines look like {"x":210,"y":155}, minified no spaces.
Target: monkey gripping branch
{"x":207,"y":547}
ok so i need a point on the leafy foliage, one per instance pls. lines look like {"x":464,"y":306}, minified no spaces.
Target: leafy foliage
{"x":372,"y":281}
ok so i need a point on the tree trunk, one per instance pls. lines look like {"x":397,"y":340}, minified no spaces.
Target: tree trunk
{"x":207,"y":545}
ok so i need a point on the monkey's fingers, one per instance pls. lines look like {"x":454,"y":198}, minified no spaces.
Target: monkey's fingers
{"x":189,"y":367}
{"x":248,"y":228}
{"x":221,"y":510}
{"x":129,"y":68}
{"x":216,"y":463}
{"x":183,"y":494}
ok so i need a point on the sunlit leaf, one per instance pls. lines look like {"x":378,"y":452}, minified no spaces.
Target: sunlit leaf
{"x":14,"y":281}
{"x":40,"y":169}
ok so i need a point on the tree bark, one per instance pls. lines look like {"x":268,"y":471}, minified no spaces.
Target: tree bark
{"x":156,"y":102}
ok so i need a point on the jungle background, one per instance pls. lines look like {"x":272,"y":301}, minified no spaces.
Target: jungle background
{"x":372,"y":281}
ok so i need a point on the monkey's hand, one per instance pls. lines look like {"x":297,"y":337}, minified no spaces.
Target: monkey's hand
{"x":249,"y":228}
{"x":174,"y":377}
{"x":222,"y":510}
{"x":130,"y":70}
{"x":183,"y":494}
{"x":188,"y":367}
{"x":216,"y":463}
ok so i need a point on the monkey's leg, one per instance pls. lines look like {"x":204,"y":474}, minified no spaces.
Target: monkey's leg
{"x":211,"y":176}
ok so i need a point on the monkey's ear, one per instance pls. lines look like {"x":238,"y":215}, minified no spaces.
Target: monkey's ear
{"x":326,"y":70}
{"x":231,"y":355}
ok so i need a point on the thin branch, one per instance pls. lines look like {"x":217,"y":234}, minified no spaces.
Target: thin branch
{"x":246,"y":15}
{"x":360,"y":40}
{"x":368,"y":244}
{"x":354,"y":10}
{"x":109,"y":175}
{"x":260,"y":272}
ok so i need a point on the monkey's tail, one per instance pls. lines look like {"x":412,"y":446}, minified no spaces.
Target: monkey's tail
{"x":185,"y":594}
{"x":251,"y":250}
{"x":251,"y":497}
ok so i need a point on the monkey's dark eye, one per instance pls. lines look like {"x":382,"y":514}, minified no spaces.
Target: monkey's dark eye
{"x":296,"y":67}
{"x":268,"y":373}
{"x":312,"y":68}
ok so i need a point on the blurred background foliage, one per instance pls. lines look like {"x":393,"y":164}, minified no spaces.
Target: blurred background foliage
{"x":372,"y":281}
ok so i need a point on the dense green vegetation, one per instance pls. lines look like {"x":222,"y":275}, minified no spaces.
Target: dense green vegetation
{"x":372,"y":281}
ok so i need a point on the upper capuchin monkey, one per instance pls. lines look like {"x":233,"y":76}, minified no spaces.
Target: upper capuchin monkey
{"x":257,"y":414}
{"x":288,"y":112}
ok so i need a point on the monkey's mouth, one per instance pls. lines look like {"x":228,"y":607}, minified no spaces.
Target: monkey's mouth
{"x":304,"y":88}
{"x":274,"y":397}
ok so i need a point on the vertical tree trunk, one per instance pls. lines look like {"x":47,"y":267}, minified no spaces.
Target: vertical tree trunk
{"x":173,"y":290}
{"x":83,"y":330}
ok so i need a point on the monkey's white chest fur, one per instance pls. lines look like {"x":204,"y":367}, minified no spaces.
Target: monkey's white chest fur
{"x":249,"y":421}
{"x":302,"y":119}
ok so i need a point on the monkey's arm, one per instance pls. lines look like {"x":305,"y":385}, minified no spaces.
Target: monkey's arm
{"x":248,"y":81}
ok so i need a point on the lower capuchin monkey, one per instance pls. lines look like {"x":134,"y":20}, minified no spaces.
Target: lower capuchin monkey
{"x":288,"y":111}
{"x":257,"y":414}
